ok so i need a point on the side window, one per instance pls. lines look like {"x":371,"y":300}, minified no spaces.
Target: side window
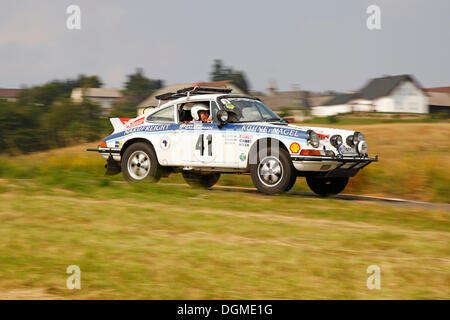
{"x":214,"y":109}
{"x":184,"y":110}
{"x":164,"y":115}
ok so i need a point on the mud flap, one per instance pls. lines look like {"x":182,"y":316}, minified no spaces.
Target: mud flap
{"x":112,"y":167}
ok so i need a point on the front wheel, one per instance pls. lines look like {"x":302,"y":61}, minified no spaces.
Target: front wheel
{"x":273,"y":172}
{"x":139,"y":163}
{"x":199,"y":180}
{"x":326,"y":186}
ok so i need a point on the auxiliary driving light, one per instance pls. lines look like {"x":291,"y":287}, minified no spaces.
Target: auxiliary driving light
{"x":336,"y":141}
{"x":357,"y":137}
{"x":362,"y":148}
{"x":312,"y":138}
{"x":350,"y":141}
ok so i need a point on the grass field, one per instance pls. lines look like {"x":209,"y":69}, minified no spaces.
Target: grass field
{"x":172,"y":242}
{"x":166,"y":242}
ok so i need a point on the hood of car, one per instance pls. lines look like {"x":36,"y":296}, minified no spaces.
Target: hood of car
{"x":319,"y":130}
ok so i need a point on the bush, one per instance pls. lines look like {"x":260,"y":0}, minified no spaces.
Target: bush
{"x":332,"y":119}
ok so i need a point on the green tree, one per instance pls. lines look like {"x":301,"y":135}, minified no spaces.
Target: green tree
{"x":89,"y":82}
{"x":45,"y":117}
{"x":139,"y":84}
{"x":220,"y":73}
{"x":20,"y":128}
{"x":67,"y":123}
{"x":124,"y":109}
{"x":46,"y":94}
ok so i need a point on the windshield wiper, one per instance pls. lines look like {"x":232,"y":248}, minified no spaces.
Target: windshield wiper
{"x":245,"y":121}
{"x":274,"y":119}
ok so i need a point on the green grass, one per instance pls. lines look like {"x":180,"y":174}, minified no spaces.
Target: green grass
{"x":171,"y":242}
{"x":168,"y":241}
{"x":377,"y":118}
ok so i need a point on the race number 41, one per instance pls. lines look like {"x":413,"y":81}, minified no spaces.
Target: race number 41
{"x":200,"y":145}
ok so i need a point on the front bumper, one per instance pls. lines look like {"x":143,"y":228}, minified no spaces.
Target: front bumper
{"x":107,"y":152}
{"x":344,"y":166}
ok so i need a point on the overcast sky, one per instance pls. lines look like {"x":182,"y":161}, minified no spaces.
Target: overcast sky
{"x":318,"y":45}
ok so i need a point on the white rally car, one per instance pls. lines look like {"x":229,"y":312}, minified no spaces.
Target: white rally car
{"x":244,"y":136}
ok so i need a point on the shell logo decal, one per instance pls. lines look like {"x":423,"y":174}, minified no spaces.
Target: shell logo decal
{"x":295,"y":147}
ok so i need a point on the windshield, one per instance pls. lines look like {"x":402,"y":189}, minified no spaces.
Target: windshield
{"x":248,"y":110}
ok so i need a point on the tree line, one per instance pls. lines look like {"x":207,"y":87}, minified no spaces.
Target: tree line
{"x":44,"y":117}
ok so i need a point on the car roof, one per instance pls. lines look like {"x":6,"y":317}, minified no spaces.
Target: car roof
{"x":202,"y":97}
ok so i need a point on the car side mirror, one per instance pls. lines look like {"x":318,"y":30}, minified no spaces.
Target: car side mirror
{"x":222,"y":118}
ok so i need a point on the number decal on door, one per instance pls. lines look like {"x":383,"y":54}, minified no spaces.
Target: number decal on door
{"x":200,"y":145}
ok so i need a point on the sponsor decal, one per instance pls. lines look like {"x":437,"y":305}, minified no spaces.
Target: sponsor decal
{"x":229,"y":139}
{"x":242,"y":157}
{"x":323,"y":136}
{"x":197,"y":126}
{"x":271,"y":130}
{"x":135,"y":123}
{"x":244,"y":142}
{"x":124,"y":120}
{"x":165,"y":143}
{"x":118,"y":144}
{"x":295,"y":147}
{"x":153,"y":128}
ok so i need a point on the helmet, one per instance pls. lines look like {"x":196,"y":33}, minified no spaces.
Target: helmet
{"x":196,"y":108}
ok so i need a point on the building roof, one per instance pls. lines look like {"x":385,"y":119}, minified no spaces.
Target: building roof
{"x":439,"y":99}
{"x":340,"y":99}
{"x":375,"y":88}
{"x":10,"y":93}
{"x":318,"y":99}
{"x":151,"y":101}
{"x":438,"y":89}
{"x":100,"y":92}
{"x":278,"y":99}
{"x":381,"y":87}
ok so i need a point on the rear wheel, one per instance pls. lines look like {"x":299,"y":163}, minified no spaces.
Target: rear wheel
{"x":200,"y":180}
{"x":326,"y":186}
{"x":273,"y":172}
{"x":139,"y":163}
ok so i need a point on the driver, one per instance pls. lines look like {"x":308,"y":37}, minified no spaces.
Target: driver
{"x":200,"y":113}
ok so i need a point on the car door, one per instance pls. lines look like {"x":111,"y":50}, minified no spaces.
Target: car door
{"x":205,"y":145}
{"x":162,"y":129}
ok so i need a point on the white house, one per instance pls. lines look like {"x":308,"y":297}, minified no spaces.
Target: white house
{"x":105,"y":97}
{"x":402,"y":94}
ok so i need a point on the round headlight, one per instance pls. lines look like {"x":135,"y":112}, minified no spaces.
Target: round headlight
{"x":350,"y":141}
{"x":362,"y":148}
{"x":312,"y":138}
{"x":336,"y":141}
{"x":357,"y":137}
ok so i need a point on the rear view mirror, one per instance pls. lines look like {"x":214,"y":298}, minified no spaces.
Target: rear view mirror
{"x":222,"y":118}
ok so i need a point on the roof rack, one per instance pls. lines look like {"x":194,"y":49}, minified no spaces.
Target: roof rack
{"x":189,"y":91}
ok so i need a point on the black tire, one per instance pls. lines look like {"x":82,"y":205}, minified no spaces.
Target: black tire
{"x":139,"y":163}
{"x":292,"y":181}
{"x":201,"y":180}
{"x":274,"y":181}
{"x":326,"y":186}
